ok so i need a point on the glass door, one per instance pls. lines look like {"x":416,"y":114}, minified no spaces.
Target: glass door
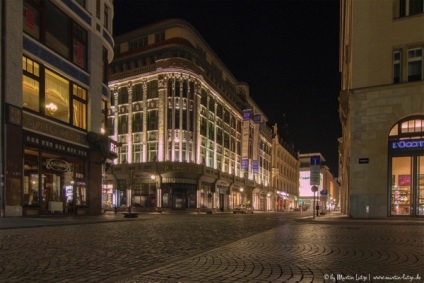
{"x":401,"y":188}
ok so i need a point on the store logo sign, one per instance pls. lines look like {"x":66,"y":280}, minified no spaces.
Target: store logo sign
{"x":409,"y":144}
{"x":58,"y":165}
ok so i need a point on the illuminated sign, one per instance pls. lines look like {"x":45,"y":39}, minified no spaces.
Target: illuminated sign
{"x":407,"y":144}
{"x":305,"y":186}
{"x":58,"y":165}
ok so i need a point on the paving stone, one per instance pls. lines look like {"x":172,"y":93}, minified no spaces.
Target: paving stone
{"x":267,"y":247}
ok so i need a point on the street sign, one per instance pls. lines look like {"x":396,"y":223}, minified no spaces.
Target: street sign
{"x":315,"y":160}
{"x":315,"y":170}
{"x":314,"y":189}
{"x":324,"y":192}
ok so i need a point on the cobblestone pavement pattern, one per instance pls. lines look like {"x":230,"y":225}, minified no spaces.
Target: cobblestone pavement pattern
{"x":263,"y":247}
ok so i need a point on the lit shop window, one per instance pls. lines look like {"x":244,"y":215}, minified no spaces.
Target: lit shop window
{"x":404,"y":129}
{"x":57,"y":97}
{"x":52,"y":96}
{"x":412,"y":126}
{"x":79,"y":97}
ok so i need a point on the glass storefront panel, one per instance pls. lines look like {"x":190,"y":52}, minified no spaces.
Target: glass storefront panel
{"x":31,"y":177}
{"x":420,"y":186}
{"x":401,"y":190}
{"x":51,"y":193}
{"x":53,"y":182}
{"x":179,"y":196}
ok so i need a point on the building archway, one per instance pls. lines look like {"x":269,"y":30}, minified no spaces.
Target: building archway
{"x":406,"y":167}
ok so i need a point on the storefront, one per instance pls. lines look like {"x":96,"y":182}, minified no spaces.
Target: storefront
{"x":406,"y":168}
{"x":285,"y":201}
{"x":54,"y":176}
{"x":179,"y":193}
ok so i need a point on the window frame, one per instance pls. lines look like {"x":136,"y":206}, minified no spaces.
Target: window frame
{"x":75,"y":47}
{"x":397,"y":63}
{"x":41,"y":79}
{"x":411,"y":59}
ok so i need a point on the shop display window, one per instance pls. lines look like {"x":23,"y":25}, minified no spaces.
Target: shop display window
{"x":401,"y":185}
{"x":31,"y":178}
{"x":406,"y":193}
{"x":53,"y":182}
{"x":420,"y":187}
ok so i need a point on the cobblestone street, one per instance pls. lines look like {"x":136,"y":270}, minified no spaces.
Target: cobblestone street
{"x":262,"y":247}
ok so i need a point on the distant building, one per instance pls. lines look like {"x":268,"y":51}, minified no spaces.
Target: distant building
{"x":328,"y":194}
{"x":191,"y":137}
{"x":53,"y":94}
{"x":381,"y":108}
{"x":285,"y":173}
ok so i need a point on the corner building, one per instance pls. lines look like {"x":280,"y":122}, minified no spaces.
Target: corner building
{"x":190,"y":136}
{"x":381,"y":106}
{"x":54,"y":93}
{"x":285,"y":172}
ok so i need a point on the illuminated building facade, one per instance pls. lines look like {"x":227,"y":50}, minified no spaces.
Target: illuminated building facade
{"x":190,"y":135}
{"x":285,"y":173}
{"x":54,"y":91}
{"x":328,"y":194}
{"x":381,"y":108}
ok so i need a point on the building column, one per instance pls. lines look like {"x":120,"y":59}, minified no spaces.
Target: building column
{"x":162,"y":118}
{"x":130,"y":122}
{"x":144,"y":134}
{"x":115,"y":113}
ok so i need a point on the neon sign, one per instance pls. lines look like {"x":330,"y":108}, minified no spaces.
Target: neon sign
{"x":408,"y":144}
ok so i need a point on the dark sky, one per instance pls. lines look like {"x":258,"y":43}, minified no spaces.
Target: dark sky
{"x":285,"y":50}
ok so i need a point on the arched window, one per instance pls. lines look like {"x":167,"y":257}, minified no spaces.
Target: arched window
{"x":408,"y":128}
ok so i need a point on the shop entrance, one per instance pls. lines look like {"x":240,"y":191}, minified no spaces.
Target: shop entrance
{"x":53,"y":183}
{"x":407,"y":191}
{"x":221,"y":202}
{"x":406,"y":168}
{"x":180,"y":199}
{"x":179,"y":196}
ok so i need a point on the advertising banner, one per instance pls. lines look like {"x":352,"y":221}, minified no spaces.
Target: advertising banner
{"x":255,"y":146}
{"x":247,"y":116}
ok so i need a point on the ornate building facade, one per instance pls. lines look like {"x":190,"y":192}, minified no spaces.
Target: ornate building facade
{"x":190,"y":135}
{"x":381,"y":106}
{"x":285,"y":173}
{"x":54,"y":92}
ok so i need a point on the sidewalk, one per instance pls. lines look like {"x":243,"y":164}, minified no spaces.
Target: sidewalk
{"x":338,"y":217}
{"x":306,"y":216}
{"x":57,"y":220}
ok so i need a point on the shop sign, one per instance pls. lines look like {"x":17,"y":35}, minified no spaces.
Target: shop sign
{"x":39,"y":125}
{"x":58,"y":165}
{"x":407,"y":144}
{"x":364,"y":160}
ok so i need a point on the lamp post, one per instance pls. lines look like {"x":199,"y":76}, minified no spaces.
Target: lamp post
{"x":314,"y":189}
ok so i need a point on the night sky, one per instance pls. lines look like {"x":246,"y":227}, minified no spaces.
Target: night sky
{"x":285,"y":50}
